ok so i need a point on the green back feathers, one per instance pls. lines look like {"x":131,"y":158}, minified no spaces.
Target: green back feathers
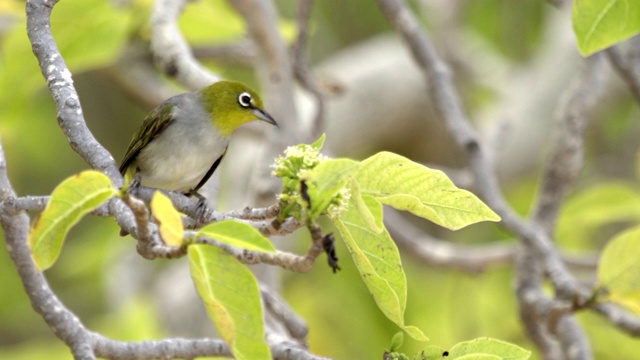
{"x":156,"y":121}
{"x":229,"y":106}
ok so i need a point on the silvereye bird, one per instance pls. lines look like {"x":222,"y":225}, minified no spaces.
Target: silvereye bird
{"x":182,"y":141}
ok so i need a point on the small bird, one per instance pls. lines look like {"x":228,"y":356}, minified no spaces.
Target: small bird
{"x":182,"y":141}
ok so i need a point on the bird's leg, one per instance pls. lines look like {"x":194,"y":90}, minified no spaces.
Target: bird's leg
{"x":135,"y":184}
{"x":201,"y":207}
{"x":133,"y":188}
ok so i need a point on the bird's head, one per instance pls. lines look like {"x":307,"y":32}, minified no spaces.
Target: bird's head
{"x":232,"y":104}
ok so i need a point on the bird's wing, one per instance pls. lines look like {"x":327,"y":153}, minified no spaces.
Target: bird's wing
{"x":210,"y":172}
{"x":157,"y":120}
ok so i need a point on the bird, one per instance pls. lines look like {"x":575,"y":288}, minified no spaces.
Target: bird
{"x":183,"y":140}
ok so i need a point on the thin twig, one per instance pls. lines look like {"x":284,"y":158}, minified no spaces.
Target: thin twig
{"x":283,"y":259}
{"x":274,"y":71}
{"x":301,"y":64}
{"x":471,"y":258}
{"x":295,"y":325}
{"x":565,"y":161}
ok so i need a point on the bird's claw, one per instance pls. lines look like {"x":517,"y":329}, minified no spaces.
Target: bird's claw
{"x":134,"y":185}
{"x":202,"y":210}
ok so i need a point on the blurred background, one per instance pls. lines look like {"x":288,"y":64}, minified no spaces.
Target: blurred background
{"x":512,"y":60}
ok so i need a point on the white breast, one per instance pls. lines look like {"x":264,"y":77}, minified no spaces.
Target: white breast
{"x":182,"y":153}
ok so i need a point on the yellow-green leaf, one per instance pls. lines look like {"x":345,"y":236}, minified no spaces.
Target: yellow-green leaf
{"x":326,"y":180}
{"x":397,"y":181}
{"x":619,"y":269}
{"x":378,"y":261}
{"x":487,"y":349}
{"x":168,"y":219}
{"x":599,"y":24}
{"x":70,"y":201}
{"x":237,"y":234}
{"x":318,"y":144}
{"x":232,"y":298}
{"x":372,"y":222}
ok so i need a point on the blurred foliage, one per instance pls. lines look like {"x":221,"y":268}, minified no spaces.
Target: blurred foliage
{"x":450,"y":306}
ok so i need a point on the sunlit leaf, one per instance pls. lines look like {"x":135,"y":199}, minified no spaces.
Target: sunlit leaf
{"x":406,"y":185}
{"x":599,"y":24}
{"x":238,"y":234}
{"x":232,"y":299}
{"x":619,"y":269}
{"x":378,"y":261}
{"x":487,"y":349}
{"x":326,"y":180}
{"x":372,"y":222}
{"x":70,"y":201}
{"x":168,"y":219}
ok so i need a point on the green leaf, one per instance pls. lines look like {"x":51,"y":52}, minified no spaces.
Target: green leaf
{"x":397,"y":181}
{"x":619,"y":269}
{"x":168,"y":219}
{"x":325,"y":181}
{"x":318,"y":144}
{"x":585,"y":213}
{"x":599,"y":24}
{"x":90,"y":33}
{"x":232,"y":299}
{"x":378,"y":261}
{"x":372,"y":222}
{"x":70,"y":201}
{"x":487,"y":349}
{"x":396,"y":341}
{"x":238,"y":234}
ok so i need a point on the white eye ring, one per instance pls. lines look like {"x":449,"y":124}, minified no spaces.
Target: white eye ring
{"x":245,"y":100}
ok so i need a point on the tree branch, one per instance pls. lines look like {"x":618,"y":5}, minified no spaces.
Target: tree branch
{"x":65,"y":325}
{"x":64,"y":95}
{"x":564,"y":164}
{"x":275,"y":74}
{"x":470,"y":258}
{"x":171,"y":52}
{"x":301,"y":64}
{"x":627,"y":63}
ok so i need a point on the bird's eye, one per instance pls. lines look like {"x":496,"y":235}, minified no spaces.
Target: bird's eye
{"x":245,"y":100}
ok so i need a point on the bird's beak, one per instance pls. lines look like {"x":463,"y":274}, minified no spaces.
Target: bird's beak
{"x":264,"y":116}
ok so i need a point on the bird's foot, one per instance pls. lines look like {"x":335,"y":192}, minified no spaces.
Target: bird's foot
{"x":202,"y":210}
{"x":134,"y":185}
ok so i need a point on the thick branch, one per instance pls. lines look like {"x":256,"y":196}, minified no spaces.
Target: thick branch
{"x":159,"y":349}
{"x":66,"y":98}
{"x":171,"y":52}
{"x":63,"y":322}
